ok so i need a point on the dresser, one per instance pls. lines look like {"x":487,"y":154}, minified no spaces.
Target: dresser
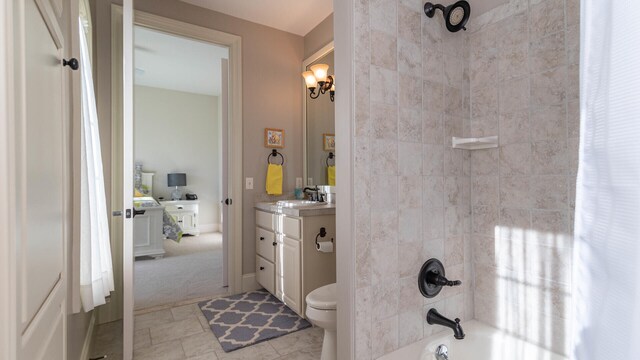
{"x":185,"y":213}
{"x":287,"y":262}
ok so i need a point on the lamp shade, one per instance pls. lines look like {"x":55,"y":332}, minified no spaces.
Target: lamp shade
{"x":309,"y":79}
{"x":320,"y":71}
{"x":177,"y":179}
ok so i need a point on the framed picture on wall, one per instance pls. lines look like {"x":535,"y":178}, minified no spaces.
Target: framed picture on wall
{"x":274,"y":138}
{"x":329,"y":142}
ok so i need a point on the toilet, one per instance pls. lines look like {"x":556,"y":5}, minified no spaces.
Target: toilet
{"x":321,"y":312}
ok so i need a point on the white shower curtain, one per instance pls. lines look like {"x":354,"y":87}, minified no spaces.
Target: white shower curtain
{"x":96,"y":271}
{"x":607,"y":229}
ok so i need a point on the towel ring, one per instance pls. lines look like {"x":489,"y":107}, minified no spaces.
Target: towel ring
{"x":275,"y":153}
{"x":331,"y":156}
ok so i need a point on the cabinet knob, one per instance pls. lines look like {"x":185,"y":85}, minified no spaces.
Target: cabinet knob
{"x":261,"y":238}
{"x":274,"y":243}
{"x":261,"y":267}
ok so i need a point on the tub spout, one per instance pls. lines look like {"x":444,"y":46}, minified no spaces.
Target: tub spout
{"x":435,"y":318}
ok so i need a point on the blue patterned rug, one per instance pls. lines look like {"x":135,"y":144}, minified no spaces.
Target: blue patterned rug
{"x":246,"y":319}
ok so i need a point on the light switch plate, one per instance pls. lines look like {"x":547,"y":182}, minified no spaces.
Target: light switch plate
{"x":248,"y":183}
{"x":298,"y":182}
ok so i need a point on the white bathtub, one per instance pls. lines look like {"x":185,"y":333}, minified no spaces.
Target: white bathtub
{"x":481,"y":342}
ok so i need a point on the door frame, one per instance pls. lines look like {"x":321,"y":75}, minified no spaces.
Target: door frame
{"x":8,"y":334}
{"x":234,"y":154}
{"x":344,"y":57}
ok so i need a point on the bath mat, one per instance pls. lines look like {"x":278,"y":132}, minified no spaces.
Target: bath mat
{"x":246,"y":319}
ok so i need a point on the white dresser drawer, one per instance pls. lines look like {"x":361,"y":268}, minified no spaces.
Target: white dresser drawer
{"x":265,"y":274}
{"x":291,"y":227}
{"x":181,"y":207}
{"x":265,"y":220}
{"x":264,"y":244}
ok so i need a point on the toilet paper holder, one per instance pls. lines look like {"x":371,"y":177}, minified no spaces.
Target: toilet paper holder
{"x":322,"y":233}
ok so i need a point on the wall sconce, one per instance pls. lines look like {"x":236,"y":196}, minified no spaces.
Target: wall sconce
{"x":318,"y":78}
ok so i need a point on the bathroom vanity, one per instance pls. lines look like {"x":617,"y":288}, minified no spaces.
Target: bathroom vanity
{"x":288,"y":264}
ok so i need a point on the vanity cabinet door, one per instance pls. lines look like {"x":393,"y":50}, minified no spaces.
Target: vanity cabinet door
{"x":291,"y":287}
{"x":265,"y":273}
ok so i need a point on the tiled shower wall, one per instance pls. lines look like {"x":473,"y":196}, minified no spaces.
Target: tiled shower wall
{"x":499,"y":219}
{"x":524,"y":88}
{"x":412,"y":191}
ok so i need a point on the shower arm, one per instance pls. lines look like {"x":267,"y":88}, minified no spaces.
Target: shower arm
{"x":430,"y":9}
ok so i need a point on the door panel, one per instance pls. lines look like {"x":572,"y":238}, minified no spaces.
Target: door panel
{"x":42,"y":261}
{"x":41,"y":182}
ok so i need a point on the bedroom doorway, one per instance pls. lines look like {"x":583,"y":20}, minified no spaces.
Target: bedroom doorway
{"x":180,"y":84}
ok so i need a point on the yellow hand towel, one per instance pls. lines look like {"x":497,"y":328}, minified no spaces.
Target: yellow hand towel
{"x":274,"y":179}
{"x":331,"y":175}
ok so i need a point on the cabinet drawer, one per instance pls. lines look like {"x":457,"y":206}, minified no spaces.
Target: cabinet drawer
{"x":264,"y":244}
{"x":291,"y":227}
{"x":181,"y":207}
{"x":264,"y":220}
{"x":265,"y":274}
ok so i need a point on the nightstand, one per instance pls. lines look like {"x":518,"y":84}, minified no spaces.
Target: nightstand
{"x":185,"y":213}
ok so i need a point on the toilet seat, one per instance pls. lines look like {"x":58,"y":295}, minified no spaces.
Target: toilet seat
{"x":323,"y":298}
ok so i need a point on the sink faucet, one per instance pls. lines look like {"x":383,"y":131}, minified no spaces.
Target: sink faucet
{"x":313,"y":193}
{"x":434,"y":317}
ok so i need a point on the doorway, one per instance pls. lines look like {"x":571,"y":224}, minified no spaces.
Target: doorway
{"x":123,"y":53}
{"x":178,"y":175}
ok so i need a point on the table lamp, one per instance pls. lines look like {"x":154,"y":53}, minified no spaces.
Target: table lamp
{"x":176,"y":179}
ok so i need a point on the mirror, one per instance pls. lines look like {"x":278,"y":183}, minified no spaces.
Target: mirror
{"x":319,"y":125}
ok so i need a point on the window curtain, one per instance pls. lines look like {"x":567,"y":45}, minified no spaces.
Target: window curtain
{"x":606,"y":276}
{"x":96,"y":270}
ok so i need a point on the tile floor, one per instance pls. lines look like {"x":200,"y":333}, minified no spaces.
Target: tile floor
{"x":182,"y":333}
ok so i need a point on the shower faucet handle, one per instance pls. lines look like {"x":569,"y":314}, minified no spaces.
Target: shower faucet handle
{"x":435,"y":278}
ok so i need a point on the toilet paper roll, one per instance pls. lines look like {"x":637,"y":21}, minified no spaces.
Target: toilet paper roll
{"x":325,"y":246}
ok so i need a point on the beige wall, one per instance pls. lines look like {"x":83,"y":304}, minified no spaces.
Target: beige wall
{"x":271,"y":61}
{"x":176,"y":131}
{"x":319,"y":36}
{"x":524,"y":87}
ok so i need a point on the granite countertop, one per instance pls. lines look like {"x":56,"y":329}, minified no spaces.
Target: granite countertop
{"x":316,"y":210}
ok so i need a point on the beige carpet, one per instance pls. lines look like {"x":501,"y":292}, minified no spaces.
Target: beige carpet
{"x":190,"y":269}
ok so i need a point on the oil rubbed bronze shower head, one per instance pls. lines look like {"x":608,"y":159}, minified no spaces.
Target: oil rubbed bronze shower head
{"x":455,"y":15}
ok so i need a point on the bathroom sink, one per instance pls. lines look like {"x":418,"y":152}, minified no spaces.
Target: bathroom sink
{"x":299,"y":203}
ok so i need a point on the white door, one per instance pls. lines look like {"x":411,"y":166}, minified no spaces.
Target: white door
{"x":41,"y":183}
{"x":224,"y":101}
{"x":127,"y":177}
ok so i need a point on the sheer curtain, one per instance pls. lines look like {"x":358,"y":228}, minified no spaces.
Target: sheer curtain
{"x":96,"y":271}
{"x":607,"y":229}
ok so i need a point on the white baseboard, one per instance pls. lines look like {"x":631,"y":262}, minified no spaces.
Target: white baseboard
{"x":210,"y":228}
{"x":88,"y":340}
{"x":249,"y":282}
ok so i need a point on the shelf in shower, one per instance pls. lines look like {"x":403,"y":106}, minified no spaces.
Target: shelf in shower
{"x":486,"y":142}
